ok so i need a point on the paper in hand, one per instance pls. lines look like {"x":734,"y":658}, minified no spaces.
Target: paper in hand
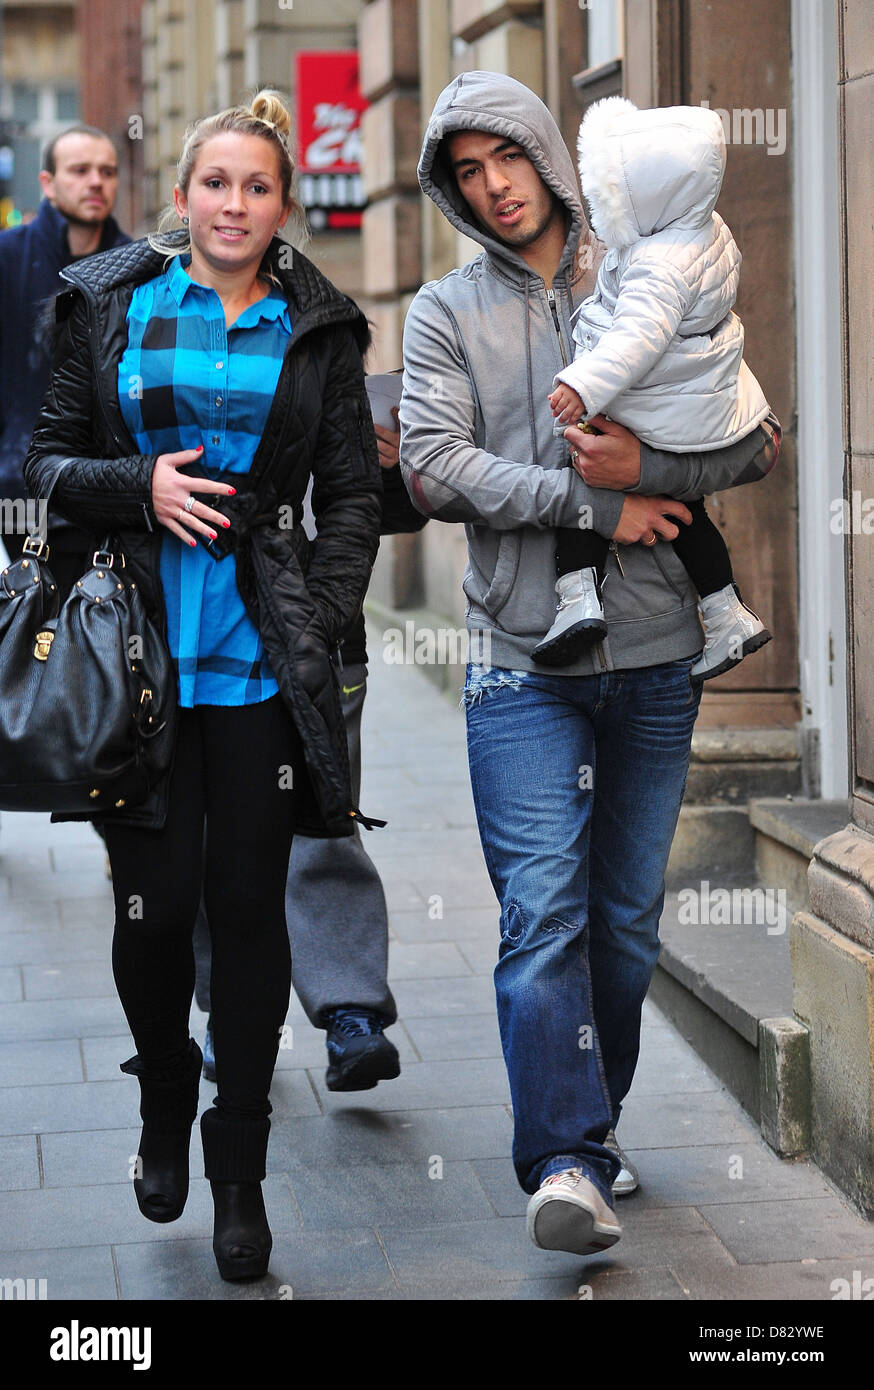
{"x":384,"y":391}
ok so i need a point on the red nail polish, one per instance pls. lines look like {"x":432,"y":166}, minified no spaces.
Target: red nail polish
{"x":232,"y":492}
{"x":213,"y":535}
{"x":226,"y":523}
{"x":192,"y":542}
{"x":199,"y":449}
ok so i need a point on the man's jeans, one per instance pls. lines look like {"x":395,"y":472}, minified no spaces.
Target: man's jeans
{"x":577,"y":782}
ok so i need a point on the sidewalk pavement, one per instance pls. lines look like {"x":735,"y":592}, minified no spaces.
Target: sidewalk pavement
{"x":403,"y":1192}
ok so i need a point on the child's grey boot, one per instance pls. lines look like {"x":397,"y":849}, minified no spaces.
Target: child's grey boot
{"x":579,"y":620}
{"x":731,"y":632}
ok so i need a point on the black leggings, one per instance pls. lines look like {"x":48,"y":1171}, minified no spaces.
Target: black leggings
{"x":230,"y":767}
{"x":700,"y":546}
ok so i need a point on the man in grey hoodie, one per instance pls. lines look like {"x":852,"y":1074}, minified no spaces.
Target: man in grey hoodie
{"x":577,"y":777}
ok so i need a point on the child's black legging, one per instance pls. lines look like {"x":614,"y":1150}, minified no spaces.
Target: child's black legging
{"x":699,"y":545}
{"x":230,"y":767}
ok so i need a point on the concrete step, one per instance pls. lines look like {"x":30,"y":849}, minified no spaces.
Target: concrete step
{"x":724,"y":975}
{"x":727,"y":769}
{"x":786,"y":829}
{"x":724,"y":978}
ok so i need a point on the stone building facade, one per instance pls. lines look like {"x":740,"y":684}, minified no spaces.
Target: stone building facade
{"x":833,"y":941}
{"x":199,"y":56}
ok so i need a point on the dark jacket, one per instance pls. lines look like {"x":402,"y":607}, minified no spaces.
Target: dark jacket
{"x":319,"y":423}
{"x":31,"y":260}
{"x":399,"y":517}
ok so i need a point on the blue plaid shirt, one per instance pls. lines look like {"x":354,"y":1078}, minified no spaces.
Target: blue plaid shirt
{"x":186,"y":379}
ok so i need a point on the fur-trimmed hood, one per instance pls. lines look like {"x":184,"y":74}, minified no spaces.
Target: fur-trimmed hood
{"x":642,"y":171}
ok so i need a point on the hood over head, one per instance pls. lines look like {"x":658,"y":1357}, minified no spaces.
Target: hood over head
{"x":499,"y":105}
{"x":641,"y":171}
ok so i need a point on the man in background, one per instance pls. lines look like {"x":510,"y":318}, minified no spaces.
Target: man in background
{"x":79,"y":181}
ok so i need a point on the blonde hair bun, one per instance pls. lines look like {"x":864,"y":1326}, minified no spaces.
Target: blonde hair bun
{"x":268,"y":117}
{"x":268,"y":106}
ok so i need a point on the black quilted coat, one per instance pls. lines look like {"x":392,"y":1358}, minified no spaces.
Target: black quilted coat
{"x":301,"y":597}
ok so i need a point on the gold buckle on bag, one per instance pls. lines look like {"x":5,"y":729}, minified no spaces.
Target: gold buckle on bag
{"x":106,"y":558}
{"x":43,"y":646}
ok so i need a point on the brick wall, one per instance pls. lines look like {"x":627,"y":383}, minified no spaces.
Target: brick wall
{"x":110,"y":71}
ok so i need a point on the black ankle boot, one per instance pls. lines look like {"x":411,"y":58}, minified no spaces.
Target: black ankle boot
{"x":168,"y":1107}
{"x":241,"y":1240}
{"x":234,"y":1158}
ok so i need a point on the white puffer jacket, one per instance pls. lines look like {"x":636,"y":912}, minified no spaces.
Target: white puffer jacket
{"x":658,"y":346}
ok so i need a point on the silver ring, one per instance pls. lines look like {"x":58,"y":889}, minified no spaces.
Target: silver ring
{"x":654,"y":539}
{"x":189,"y":503}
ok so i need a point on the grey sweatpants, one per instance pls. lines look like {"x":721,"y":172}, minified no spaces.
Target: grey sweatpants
{"x":334,"y":905}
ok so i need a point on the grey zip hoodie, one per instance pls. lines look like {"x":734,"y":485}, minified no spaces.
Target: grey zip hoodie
{"x":481,"y":349}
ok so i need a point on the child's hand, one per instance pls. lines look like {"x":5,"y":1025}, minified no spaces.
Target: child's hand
{"x":567,"y":406}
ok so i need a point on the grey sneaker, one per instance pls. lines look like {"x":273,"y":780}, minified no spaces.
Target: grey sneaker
{"x":567,"y":1212}
{"x":731,"y":632}
{"x":628,"y":1179}
{"x":579,"y":620}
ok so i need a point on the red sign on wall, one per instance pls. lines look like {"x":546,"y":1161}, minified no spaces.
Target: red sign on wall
{"x":329,"y":107}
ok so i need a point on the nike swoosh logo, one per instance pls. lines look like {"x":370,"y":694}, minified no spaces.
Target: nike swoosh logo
{"x":350,"y":689}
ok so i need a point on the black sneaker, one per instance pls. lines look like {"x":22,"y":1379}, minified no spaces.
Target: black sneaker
{"x":359,"y":1053}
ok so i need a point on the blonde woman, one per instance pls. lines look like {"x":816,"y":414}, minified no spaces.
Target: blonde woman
{"x":201,"y":376}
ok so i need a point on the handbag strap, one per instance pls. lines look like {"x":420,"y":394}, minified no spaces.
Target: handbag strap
{"x":35,"y":543}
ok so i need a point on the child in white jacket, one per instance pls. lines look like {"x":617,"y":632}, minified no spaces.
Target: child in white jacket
{"x":659,"y":350}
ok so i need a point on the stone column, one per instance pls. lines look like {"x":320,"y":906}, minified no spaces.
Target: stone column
{"x":111,"y":93}
{"x":389,"y":77}
{"x":565,"y":40}
{"x":833,"y":942}
{"x":388,"y":39}
{"x":171,"y":68}
{"x":435,"y":71}
{"x":154,"y":195}
{"x":179,"y":85}
{"x":228,"y":80}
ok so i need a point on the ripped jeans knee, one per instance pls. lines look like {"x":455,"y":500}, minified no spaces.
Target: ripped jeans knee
{"x":482,"y":679}
{"x":535,"y":927}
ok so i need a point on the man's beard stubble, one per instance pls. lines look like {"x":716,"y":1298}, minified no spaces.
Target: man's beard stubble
{"x":524,"y":238}
{"x":517,"y":238}
{"x":76,"y":220}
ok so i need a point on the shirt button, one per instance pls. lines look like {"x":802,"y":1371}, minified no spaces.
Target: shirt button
{"x":218,"y":366}
{"x":216,"y":439}
{"x":218,"y":400}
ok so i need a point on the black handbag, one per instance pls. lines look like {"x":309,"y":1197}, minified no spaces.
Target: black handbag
{"x":87,"y":691}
